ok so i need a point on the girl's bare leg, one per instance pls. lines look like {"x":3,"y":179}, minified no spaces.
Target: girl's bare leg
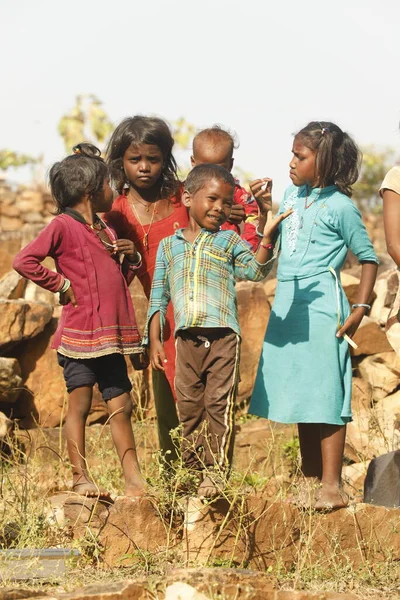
{"x":332,"y":449}
{"x":79,"y":403}
{"x":310,"y":449}
{"x":120,"y":410}
{"x":311,"y":465}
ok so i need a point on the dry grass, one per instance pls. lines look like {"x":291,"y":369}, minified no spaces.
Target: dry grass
{"x":33,"y":470}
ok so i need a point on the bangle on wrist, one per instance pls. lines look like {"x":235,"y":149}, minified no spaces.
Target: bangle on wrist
{"x":261,"y":235}
{"x":138,"y":261}
{"x":65,"y":286}
{"x":267,"y":246}
{"x":361,"y":305}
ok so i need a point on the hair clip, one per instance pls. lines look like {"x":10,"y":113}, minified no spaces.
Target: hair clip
{"x":323,"y":130}
{"x":87,"y":149}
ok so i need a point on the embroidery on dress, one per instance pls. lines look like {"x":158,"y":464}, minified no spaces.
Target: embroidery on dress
{"x":292,"y":223}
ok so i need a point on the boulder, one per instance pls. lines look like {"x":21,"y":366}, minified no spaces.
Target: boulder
{"x":6,"y":427}
{"x":382,"y":483}
{"x":370,"y":338}
{"x":10,"y":223}
{"x":382,"y":371}
{"x":254,"y":311}
{"x":12,"y":286}
{"x":134,"y":527}
{"x":385,"y":288}
{"x":45,"y":400}
{"x":353,"y":477}
{"x":10,"y":380}
{"x":21,"y":320}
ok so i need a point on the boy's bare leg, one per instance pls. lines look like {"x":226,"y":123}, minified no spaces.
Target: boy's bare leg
{"x":332,"y":448}
{"x":79,"y":403}
{"x":120,"y":410}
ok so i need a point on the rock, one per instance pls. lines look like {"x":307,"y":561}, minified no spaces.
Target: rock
{"x":353,"y":477}
{"x":370,"y":338}
{"x":254,"y":311}
{"x":34,"y":293}
{"x":10,"y":380}
{"x":21,"y":320}
{"x":382,"y":371}
{"x":270,"y":289}
{"x":6,"y":427}
{"x":10,"y":223}
{"x":32,"y":217}
{"x":133,"y":526}
{"x":183,"y":591}
{"x":361,"y":398}
{"x":30,"y":201}
{"x":350,"y":285}
{"x":45,"y":400}
{"x":385,"y":288}
{"x":382,"y":483}
{"x":12,"y":286}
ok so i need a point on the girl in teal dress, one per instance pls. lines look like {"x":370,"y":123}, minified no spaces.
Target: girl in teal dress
{"x":305,"y":374}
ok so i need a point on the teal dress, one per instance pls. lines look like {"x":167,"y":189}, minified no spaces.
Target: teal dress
{"x":304,"y":374}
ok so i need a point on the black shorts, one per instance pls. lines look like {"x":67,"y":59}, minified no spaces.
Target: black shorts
{"x":109,"y":372}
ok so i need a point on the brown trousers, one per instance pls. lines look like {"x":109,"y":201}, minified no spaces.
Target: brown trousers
{"x":206,"y":381}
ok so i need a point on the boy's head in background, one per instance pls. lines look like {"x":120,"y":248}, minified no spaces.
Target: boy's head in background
{"x":213,"y":146}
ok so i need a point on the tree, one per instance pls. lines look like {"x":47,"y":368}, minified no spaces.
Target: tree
{"x":9,"y":158}
{"x":375,"y":165}
{"x":86,"y":121}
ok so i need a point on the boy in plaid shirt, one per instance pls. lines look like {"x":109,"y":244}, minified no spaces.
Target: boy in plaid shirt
{"x":196,"y":269}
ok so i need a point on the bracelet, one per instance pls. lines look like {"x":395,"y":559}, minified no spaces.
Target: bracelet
{"x":361,"y":305}
{"x":259,"y":233}
{"x":65,"y":286}
{"x":136,"y":264}
{"x":267,"y":246}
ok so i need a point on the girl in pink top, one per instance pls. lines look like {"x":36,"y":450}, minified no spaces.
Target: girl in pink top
{"x":97,"y":326}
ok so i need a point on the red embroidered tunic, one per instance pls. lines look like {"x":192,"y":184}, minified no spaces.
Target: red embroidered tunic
{"x":104,"y":320}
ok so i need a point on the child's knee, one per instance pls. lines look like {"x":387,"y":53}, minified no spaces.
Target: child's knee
{"x":120,"y":409}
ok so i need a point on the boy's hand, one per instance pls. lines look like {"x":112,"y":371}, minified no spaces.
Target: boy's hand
{"x":67,"y":297}
{"x":262,"y":192}
{"x":272,"y":224}
{"x":157,"y":355}
{"x":140,"y":361}
{"x":237,"y":214}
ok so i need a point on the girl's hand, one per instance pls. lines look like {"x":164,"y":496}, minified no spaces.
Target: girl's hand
{"x":262,"y":192}
{"x":67,"y":297}
{"x":140,"y":361}
{"x":237,"y":214}
{"x":272,"y":225}
{"x":352,"y":323}
{"x":157,"y":355}
{"x":126,"y":247}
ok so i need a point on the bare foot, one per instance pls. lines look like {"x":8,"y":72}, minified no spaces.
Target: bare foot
{"x":135,"y":489}
{"x":304,"y":492}
{"x":86,"y":487}
{"x":331,"y":497}
{"x":210,"y":487}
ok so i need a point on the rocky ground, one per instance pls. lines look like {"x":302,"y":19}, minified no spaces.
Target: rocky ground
{"x":260,"y":543}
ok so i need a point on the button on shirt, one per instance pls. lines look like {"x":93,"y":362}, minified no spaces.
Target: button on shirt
{"x":199,"y":279}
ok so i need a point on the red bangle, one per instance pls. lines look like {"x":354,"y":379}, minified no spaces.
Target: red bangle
{"x":267,"y":246}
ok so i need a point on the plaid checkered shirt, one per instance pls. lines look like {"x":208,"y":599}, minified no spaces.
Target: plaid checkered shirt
{"x":199,"y":279}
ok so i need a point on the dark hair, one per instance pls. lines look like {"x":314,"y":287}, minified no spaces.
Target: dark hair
{"x":199,"y":176}
{"x":338,"y":156}
{"x":216,"y":135}
{"x":143,"y":130}
{"x":80,"y":173}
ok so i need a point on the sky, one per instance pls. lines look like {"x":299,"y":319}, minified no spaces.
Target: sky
{"x":260,"y":68}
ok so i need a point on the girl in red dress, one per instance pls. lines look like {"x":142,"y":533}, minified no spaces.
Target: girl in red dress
{"x":147,"y":210}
